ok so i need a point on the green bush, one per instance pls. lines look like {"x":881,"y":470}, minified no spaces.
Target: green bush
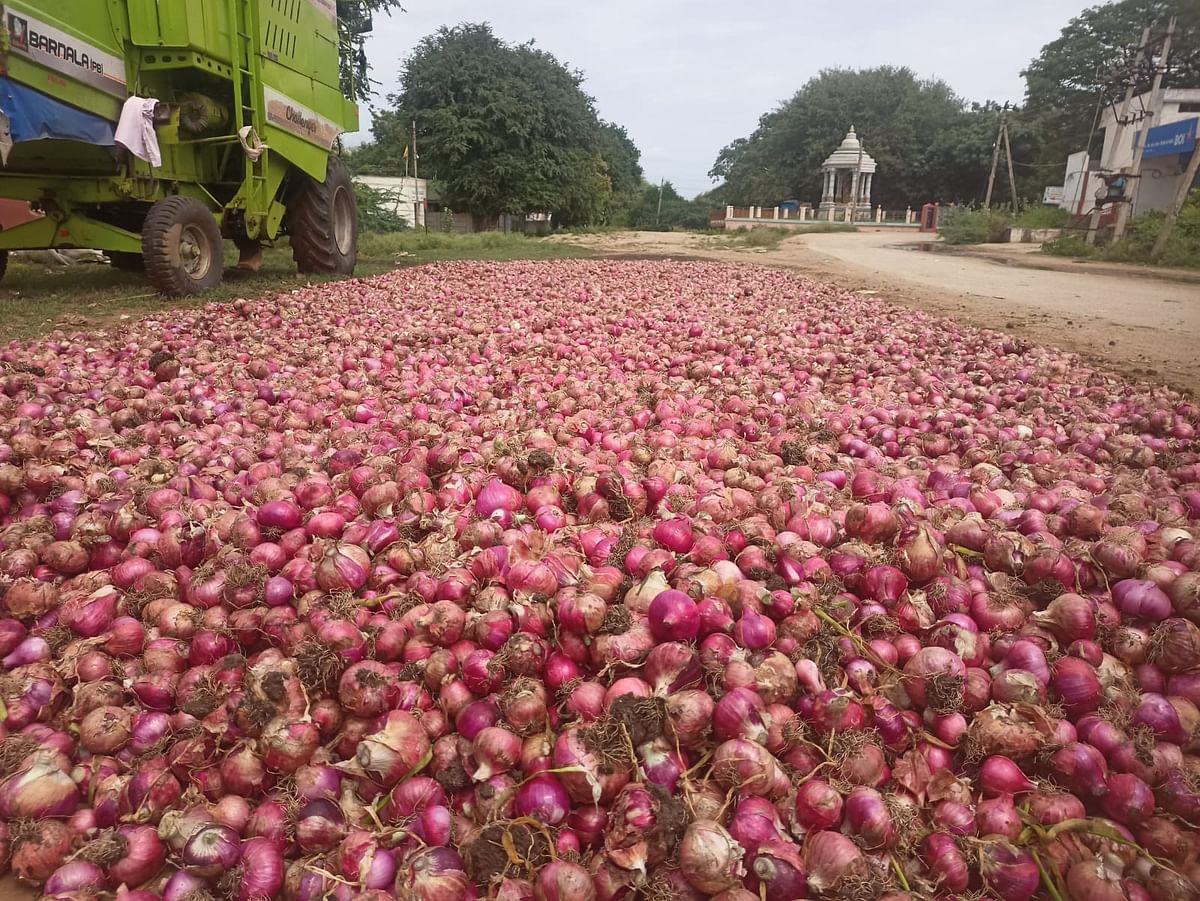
{"x":963,"y":225}
{"x":1042,"y":217}
{"x":1183,"y":247}
{"x":377,"y":211}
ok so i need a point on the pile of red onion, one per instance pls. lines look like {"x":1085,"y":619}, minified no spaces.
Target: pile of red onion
{"x":593,"y":580}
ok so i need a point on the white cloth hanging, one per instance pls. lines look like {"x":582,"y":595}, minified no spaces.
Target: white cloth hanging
{"x":135,"y":131}
{"x":252,"y":144}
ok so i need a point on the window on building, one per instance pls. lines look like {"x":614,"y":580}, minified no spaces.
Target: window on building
{"x":1189,"y":107}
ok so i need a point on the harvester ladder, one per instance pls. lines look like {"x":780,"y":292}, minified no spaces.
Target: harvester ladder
{"x":248,"y":99}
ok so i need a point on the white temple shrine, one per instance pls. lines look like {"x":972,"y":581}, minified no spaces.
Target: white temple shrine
{"x":848,"y":173}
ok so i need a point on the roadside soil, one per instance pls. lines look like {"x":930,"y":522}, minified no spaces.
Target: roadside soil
{"x":1132,"y":320}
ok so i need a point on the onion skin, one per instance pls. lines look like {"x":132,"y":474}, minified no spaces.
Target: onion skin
{"x":710,"y":858}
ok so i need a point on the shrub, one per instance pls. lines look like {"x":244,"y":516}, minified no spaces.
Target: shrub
{"x":1042,"y":217}
{"x":377,"y":211}
{"x":1183,"y":247}
{"x":962,"y":225}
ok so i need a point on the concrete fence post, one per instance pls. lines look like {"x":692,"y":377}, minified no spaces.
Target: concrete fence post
{"x":729,"y":212}
{"x":908,"y":216}
{"x":775,"y":213}
{"x":879,"y":214}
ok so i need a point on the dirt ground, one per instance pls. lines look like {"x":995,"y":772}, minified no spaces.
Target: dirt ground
{"x":1136,"y":322}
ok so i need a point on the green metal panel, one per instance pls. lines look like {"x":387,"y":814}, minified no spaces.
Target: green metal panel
{"x":300,"y":34}
{"x":73,"y":50}
{"x":181,"y":24}
{"x":73,"y":231}
{"x":273,"y":62}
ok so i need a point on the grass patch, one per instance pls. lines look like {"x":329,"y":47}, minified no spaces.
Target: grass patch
{"x":410,"y":247}
{"x":766,"y":236}
{"x":35,"y":299}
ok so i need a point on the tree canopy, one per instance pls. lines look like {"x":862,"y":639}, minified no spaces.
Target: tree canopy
{"x":354,"y":24}
{"x":1085,"y":66}
{"x":504,"y":128}
{"x":898,"y":115}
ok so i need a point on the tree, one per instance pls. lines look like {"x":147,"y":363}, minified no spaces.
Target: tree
{"x":960,"y":156}
{"x":374,"y":158}
{"x":622,"y":158}
{"x":897,"y":115}
{"x":623,"y":165}
{"x":1086,"y":64}
{"x":676,"y":210}
{"x":354,"y":24}
{"x":505,"y":129}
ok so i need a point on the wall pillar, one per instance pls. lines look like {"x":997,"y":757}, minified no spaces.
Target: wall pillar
{"x":908,"y":216}
{"x":879,"y":214}
{"x":775,"y":213}
{"x":803,"y":213}
{"x":729,"y":212}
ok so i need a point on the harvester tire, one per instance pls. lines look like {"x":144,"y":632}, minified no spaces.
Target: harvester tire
{"x":182,"y":247}
{"x":126,"y":262}
{"x":322,"y":222}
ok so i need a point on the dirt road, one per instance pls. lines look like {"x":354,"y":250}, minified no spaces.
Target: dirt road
{"x":1136,"y":324}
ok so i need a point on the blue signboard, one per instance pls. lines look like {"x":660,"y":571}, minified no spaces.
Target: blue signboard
{"x":1176,"y":137}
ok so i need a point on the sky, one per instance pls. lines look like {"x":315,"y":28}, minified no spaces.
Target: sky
{"x":686,"y":77}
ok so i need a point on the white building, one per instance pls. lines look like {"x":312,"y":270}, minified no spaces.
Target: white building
{"x":407,"y":197}
{"x":1160,"y":171}
{"x":847,"y":174}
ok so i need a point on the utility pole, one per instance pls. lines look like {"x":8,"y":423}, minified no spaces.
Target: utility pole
{"x":658,"y":214}
{"x":416,"y":181}
{"x":987,"y":200}
{"x":1156,"y":100}
{"x":1094,"y":223}
{"x":1181,"y":196}
{"x":1012,"y":178}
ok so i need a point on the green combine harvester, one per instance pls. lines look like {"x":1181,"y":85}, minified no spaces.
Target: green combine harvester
{"x":154,"y":130}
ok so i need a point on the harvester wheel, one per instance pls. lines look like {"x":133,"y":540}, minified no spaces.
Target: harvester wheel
{"x":181,"y":245}
{"x":322,"y":222}
{"x":126,"y":262}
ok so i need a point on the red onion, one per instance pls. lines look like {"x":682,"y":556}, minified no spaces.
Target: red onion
{"x":1009,"y":872}
{"x":935,"y":679}
{"x":261,"y":869}
{"x":830,"y":858}
{"x":868,"y":818}
{"x":818,"y":806}
{"x":945,"y":861}
{"x":395,"y":750}
{"x":998,"y":816}
{"x":673,"y":616}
